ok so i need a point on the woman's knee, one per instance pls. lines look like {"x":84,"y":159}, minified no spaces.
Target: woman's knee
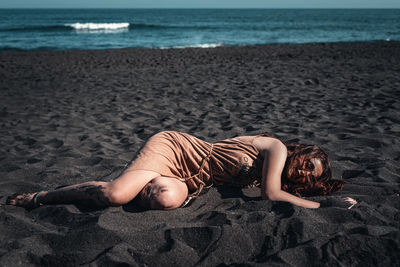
{"x":114,"y":196}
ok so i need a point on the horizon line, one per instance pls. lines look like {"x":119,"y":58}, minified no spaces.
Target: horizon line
{"x":199,"y":8}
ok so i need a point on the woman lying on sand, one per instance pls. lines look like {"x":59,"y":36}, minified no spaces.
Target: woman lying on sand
{"x":172,"y":168}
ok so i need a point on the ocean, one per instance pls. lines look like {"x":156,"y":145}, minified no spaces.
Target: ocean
{"x":66,"y":29}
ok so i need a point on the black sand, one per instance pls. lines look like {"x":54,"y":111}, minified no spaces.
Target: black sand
{"x":69,"y":117}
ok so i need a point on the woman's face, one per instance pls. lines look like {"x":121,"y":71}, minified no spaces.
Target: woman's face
{"x":163,"y":193}
{"x":306,"y":170}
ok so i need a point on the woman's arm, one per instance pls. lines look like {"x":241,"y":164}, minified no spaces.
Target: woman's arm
{"x":275,"y":154}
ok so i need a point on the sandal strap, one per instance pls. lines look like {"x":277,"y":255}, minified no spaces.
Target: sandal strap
{"x":35,"y":201}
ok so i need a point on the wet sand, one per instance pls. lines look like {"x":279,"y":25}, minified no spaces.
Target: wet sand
{"x":73,"y":116}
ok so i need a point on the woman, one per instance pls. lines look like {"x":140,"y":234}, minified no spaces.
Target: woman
{"x":172,"y":168}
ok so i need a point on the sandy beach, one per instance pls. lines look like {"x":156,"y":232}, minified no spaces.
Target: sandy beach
{"x":73,"y":116}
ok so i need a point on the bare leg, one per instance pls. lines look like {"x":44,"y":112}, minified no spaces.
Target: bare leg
{"x":99,"y":194}
{"x":92,"y":193}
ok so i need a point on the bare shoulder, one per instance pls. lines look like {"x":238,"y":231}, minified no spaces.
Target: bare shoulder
{"x":264,"y":143}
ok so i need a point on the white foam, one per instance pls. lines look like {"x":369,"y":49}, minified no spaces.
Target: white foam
{"x":208,"y":45}
{"x":98,"y":26}
{"x":212,"y":45}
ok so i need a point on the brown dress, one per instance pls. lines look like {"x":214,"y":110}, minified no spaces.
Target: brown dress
{"x":234,"y":161}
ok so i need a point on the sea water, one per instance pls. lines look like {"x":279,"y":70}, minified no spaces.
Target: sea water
{"x":61,"y":29}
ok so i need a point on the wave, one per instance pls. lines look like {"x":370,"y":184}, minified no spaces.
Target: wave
{"x":99,"y":26}
{"x":105,"y":27}
{"x":69,"y":27}
{"x":131,"y":26}
{"x":211,"y":45}
{"x":36,"y":28}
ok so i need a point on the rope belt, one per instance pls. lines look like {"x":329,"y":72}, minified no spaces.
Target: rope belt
{"x":199,"y":179}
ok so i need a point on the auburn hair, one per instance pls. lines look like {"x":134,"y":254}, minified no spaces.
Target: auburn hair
{"x":300,"y":155}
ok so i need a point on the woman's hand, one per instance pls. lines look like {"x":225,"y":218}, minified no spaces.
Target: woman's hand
{"x":350,"y":200}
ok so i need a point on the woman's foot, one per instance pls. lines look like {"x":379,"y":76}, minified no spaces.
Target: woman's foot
{"x":25,"y":200}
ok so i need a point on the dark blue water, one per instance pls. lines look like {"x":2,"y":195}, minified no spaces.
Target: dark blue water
{"x":56,"y":29}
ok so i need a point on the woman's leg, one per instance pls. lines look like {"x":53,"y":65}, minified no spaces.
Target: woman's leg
{"x":100,"y":194}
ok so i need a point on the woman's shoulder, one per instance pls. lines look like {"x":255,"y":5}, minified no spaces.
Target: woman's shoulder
{"x":252,"y":138}
{"x":265,"y":142}
{"x":245,"y":138}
